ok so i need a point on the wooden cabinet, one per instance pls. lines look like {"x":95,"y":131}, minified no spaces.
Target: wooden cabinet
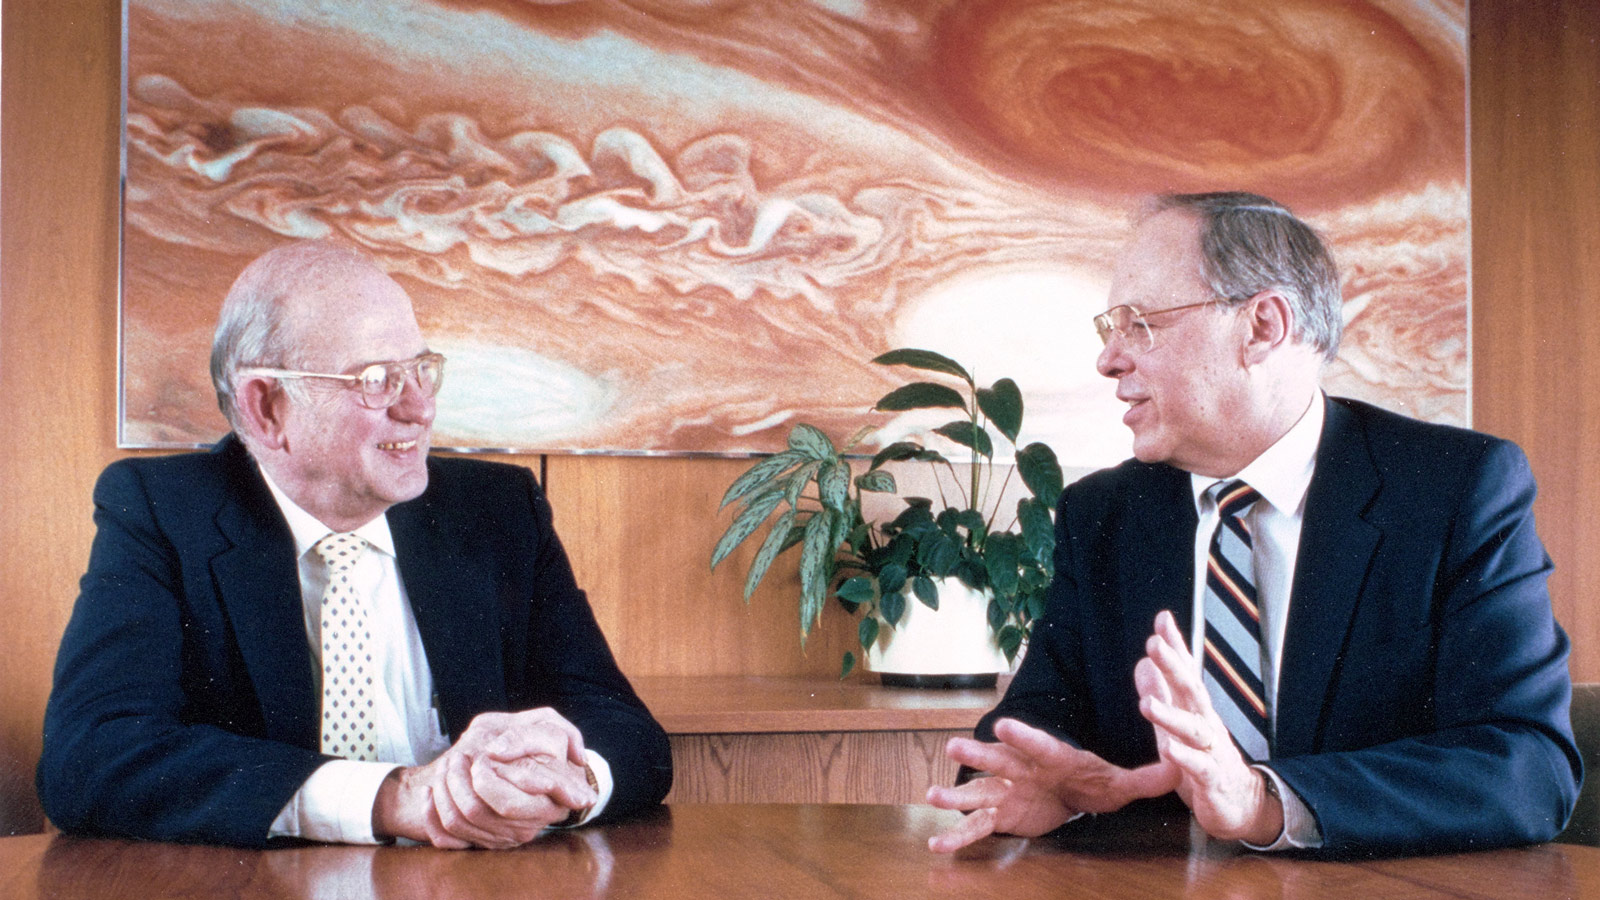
{"x":742,"y":739}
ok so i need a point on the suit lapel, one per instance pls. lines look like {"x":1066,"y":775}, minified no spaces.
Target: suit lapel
{"x":454,"y":611}
{"x":1337,"y":544}
{"x":258,"y":584}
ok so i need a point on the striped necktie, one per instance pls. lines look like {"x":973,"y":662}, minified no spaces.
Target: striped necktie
{"x":1232,"y":668}
{"x":348,"y":727}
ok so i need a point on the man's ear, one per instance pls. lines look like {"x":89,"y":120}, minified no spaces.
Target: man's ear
{"x":262,"y":406}
{"x":1271,"y":322}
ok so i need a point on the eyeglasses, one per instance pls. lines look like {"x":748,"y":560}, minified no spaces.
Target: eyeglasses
{"x":1128,"y":323}
{"x":380,"y":384}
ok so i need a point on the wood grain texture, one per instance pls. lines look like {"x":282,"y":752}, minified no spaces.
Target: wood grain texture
{"x":711,"y":704}
{"x":1536,"y":276}
{"x":817,"y":767}
{"x":58,"y":343}
{"x":774,"y":852}
{"x":640,"y":533}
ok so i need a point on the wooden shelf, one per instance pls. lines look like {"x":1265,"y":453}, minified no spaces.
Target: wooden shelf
{"x":733,"y":704}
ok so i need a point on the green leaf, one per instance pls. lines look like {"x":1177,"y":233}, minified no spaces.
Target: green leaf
{"x":926,"y":591}
{"x":1038,"y":532}
{"x":900,"y":550}
{"x":1034,"y":580}
{"x":968,"y":435}
{"x":1010,"y":640}
{"x":938,"y":555}
{"x":997,"y":615}
{"x":807,"y":439}
{"x":924,"y":359}
{"x":755,"y":512}
{"x":1003,"y":405}
{"x":759,"y":474}
{"x":891,"y":578}
{"x":896,"y":452}
{"x":918,"y":512}
{"x":1035,"y":605}
{"x":876,"y":482}
{"x":921,"y":395}
{"x":1000,"y":559}
{"x":796,"y":534}
{"x":770,"y":548}
{"x":857,"y":538}
{"x":973,"y":574}
{"x":848,"y":664}
{"x":1041,"y":472}
{"x":857,"y":589}
{"x":841,"y":526}
{"x":833,"y":485}
{"x":892,"y":606}
{"x":816,"y":569}
{"x":798,"y":479}
{"x":868,"y":632}
{"x":971,"y":520}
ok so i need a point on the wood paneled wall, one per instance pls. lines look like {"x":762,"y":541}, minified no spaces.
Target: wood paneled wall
{"x":1536,"y":276}
{"x":640,"y":530}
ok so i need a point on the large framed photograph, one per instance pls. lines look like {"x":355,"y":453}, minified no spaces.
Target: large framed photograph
{"x":658,"y":226}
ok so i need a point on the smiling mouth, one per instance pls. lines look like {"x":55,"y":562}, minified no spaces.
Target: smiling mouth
{"x":398,"y":446}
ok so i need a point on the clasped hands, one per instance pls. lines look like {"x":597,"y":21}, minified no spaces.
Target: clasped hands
{"x":1035,"y":783}
{"x":509,"y":776}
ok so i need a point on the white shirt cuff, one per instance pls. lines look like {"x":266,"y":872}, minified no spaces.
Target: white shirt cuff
{"x":335,"y":804}
{"x":602,"y":777}
{"x":1300,"y":831}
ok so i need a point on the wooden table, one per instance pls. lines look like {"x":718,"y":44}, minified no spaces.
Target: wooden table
{"x":742,"y":739}
{"x":799,"y":851}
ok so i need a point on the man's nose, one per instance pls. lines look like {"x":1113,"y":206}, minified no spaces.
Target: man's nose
{"x":415,"y":404}
{"x":1113,"y":361}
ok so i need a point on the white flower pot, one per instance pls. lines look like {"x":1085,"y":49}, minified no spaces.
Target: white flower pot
{"x":948,"y":647}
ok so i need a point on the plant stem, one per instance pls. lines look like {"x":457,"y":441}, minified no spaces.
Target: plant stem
{"x":1003,"y":485}
{"x":972,"y":498}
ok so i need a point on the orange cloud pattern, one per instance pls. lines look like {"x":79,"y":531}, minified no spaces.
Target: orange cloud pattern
{"x":681,"y":227}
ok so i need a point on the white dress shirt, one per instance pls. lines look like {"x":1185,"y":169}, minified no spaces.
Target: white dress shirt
{"x":335,"y":803}
{"x":1281,"y":475}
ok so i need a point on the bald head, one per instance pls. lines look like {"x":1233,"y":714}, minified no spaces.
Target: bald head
{"x":256,"y":326}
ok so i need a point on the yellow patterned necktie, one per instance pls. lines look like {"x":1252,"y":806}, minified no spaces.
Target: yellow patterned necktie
{"x":348,"y":726}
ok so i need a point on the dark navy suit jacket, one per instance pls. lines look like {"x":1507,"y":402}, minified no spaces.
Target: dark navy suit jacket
{"x":1423,"y":693}
{"x":183,"y":706}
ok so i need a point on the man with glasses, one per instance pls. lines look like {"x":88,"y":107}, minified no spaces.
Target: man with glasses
{"x":1319,"y":625}
{"x":318,"y":631}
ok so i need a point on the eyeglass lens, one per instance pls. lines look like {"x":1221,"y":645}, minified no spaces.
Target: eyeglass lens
{"x":383,"y":383}
{"x":1125,"y":322}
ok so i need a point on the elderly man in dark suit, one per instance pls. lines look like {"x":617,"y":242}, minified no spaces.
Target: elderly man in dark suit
{"x":1322,"y":625}
{"x":316,"y":630}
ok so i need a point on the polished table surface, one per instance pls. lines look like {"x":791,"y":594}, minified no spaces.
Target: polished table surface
{"x":778,"y":851}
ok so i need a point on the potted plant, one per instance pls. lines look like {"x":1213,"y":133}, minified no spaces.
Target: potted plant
{"x":812,"y":496}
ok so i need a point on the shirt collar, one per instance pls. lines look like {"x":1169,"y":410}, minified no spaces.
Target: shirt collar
{"x":1282,"y":473}
{"x":308,"y":529}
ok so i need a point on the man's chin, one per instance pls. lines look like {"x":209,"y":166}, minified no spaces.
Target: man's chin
{"x":1146,"y":450}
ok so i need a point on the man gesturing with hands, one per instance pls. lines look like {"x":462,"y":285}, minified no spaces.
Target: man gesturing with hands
{"x":1320,"y":625}
{"x":318,"y":630}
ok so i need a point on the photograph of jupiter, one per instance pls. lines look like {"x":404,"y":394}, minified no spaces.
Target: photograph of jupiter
{"x":682,"y":226}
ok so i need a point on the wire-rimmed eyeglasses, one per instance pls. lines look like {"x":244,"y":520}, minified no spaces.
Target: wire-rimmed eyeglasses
{"x":380,"y":384}
{"x":1128,"y":323}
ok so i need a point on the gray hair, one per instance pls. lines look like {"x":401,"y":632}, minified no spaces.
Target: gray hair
{"x":1250,"y":244}
{"x":253,"y":327}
